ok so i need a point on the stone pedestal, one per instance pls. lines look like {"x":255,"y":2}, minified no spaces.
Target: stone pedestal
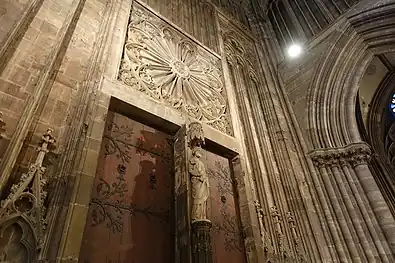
{"x":201,"y":242}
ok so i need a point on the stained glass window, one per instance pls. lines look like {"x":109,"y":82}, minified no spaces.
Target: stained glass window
{"x":392,"y":104}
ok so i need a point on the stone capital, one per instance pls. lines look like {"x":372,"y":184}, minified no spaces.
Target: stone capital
{"x":355,"y":154}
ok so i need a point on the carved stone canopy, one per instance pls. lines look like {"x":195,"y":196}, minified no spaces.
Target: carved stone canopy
{"x":195,"y":134}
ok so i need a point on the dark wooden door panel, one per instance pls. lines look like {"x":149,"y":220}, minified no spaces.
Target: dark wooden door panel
{"x":130,"y":216}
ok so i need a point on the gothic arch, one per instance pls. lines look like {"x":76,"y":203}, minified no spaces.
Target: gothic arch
{"x":28,"y":237}
{"x":338,"y":152}
{"x":332,"y":93}
{"x":375,"y":129}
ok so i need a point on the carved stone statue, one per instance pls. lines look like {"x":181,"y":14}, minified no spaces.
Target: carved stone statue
{"x":200,"y":185}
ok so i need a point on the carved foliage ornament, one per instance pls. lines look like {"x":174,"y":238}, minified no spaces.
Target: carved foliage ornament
{"x":165,"y":65}
{"x":354,"y":154}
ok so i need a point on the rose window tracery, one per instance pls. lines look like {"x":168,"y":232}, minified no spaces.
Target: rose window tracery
{"x":164,"y":64}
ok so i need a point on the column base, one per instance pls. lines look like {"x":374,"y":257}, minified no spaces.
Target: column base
{"x":201,"y":241}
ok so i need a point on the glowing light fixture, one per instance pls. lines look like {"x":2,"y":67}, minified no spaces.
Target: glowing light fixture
{"x":294,"y":50}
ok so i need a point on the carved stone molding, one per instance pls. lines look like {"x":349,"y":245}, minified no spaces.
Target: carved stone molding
{"x":201,"y":242}
{"x":296,"y":241}
{"x":354,"y":154}
{"x":170,"y":68}
{"x":24,"y":204}
{"x":282,"y":244}
{"x":267,"y":243}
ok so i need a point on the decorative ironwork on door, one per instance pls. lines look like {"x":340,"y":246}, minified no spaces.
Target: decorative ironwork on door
{"x":130,"y":218}
{"x":227,"y":237}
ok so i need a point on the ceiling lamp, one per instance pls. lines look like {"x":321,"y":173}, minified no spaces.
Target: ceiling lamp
{"x":294,"y":50}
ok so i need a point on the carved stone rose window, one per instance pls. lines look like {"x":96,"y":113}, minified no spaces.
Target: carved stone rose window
{"x":167,"y":66}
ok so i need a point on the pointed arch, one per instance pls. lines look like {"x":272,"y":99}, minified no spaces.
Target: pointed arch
{"x":333,"y":91}
{"x":28,"y":237}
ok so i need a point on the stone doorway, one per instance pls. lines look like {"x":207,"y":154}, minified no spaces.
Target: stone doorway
{"x":130,"y":217}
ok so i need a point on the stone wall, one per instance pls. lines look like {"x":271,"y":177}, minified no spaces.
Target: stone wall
{"x":43,"y":76}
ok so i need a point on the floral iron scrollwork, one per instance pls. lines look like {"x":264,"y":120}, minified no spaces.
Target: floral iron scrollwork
{"x":228,"y":222}
{"x":109,"y":204}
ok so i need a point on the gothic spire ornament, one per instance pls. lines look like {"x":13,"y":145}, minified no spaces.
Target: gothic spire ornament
{"x":26,"y":198}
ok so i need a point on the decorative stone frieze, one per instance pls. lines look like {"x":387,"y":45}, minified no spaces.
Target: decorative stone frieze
{"x":170,"y":68}
{"x":25,"y":201}
{"x":354,"y":154}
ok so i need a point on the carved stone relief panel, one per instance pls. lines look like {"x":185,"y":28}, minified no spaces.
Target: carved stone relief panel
{"x":170,"y":68}
{"x":240,"y":49}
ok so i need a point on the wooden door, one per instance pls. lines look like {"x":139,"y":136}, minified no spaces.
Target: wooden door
{"x":130,"y":217}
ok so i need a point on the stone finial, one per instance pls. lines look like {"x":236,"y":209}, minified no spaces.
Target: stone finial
{"x":46,"y":144}
{"x":47,"y":140}
{"x":2,"y":125}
